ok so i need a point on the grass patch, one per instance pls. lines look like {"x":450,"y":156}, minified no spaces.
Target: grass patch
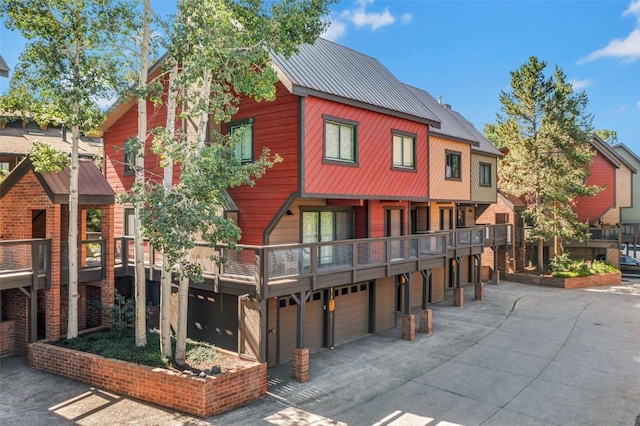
{"x":121,"y":345}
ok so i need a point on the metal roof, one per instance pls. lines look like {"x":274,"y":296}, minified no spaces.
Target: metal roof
{"x":449,"y":126}
{"x":93,"y":187}
{"x":331,"y":71}
{"x":18,"y":141}
{"x":4,"y":68}
{"x":485,"y":146}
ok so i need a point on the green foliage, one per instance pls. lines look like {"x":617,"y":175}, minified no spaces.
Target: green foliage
{"x":121,"y":345}
{"x":46,"y":159}
{"x":561,"y":262}
{"x":600,"y":267}
{"x":72,"y":57}
{"x":564,"y":267}
{"x":94,"y":220}
{"x":123,"y":313}
{"x":545,"y":129}
{"x":608,"y":136}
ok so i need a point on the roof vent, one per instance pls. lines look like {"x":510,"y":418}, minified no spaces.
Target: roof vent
{"x":446,"y":106}
{"x":440,"y":100}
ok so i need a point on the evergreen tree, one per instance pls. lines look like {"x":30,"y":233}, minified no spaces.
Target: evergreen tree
{"x":545,"y":129}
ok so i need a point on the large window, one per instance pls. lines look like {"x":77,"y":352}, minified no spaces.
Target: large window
{"x":452,"y":167}
{"x":485,"y":174}
{"x":404,"y":148}
{"x":327,"y":225}
{"x":129,"y":215}
{"x":340,"y":140}
{"x":244,"y":143}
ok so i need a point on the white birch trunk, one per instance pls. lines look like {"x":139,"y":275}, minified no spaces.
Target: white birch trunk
{"x":141,"y":293}
{"x":183,"y":305}
{"x":165,"y":280}
{"x":72,"y":242}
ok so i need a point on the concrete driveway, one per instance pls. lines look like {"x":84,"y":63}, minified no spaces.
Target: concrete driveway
{"x":525,"y":356}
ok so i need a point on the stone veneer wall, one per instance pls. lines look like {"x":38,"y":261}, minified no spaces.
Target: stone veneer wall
{"x":202,"y":397}
{"x":578,"y":282}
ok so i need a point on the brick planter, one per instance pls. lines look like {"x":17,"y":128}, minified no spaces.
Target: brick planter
{"x":577,"y":282}
{"x":194,"y":395}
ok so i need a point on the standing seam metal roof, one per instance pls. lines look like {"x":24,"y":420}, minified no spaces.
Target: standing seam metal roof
{"x":329,"y":68}
{"x":449,"y":126}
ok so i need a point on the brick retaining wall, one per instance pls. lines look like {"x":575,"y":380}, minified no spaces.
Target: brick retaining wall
{"x":577,"y":282}
{"x":202,"y":397}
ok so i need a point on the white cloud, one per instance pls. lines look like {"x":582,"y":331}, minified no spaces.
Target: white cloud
{"x":375,"y":20}
{"x":633,"y":9}
{"x":335,"y":30}
{"x":627,"y":48}
{"x":407,"y":18}
{"x":579,"y":84}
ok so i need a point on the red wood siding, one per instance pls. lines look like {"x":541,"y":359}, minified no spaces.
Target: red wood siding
{"x":602,"y":174}
{"x":114,"y":139}
{"x":275,"y":126}
{"x":373,"y":177}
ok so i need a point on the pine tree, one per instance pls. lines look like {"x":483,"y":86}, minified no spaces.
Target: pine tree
{"x":545,"y":129}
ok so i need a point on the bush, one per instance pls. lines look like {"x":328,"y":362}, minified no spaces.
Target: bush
{"x":602,"y":267}
{"x":120,"y":344}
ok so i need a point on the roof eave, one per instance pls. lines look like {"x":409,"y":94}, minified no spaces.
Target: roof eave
{"x":305,"y":91}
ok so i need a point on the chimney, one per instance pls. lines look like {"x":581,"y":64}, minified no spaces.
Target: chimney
{"x":440,"y":100}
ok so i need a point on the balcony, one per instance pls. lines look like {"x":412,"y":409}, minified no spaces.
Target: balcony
{"x":262,"y":271}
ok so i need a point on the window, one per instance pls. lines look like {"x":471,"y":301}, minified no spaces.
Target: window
{"x":452,"y":169}
{"x":485,"y":174}
{"x":244,"y":145}
{"x":128,"y":221}
{"x":4,"y":165}
{"x":404,"y":148}
{"x":340,"y":140}
{"x":328,"y":225}
{"x":129,"y":161}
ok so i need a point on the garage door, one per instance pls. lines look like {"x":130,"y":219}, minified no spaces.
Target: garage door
{"x":385,"y":303}
{"x":352,"y":312}
{"x":437,"y":285}
{"x":288,"y":311}
{"x":416,"y":290}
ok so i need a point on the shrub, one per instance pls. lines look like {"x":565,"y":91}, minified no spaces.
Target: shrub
{"x":602,"y":267}
{"x":120,"y":344}
{"x":561,"y":262}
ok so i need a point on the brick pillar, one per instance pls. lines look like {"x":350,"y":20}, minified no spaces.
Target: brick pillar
{"x":107,"y":285}
{"x":52,"y":295}
{"x":496,"y":276}
{"x":479,"y":291}
{"x":426,"y":321}
{"x":82,"y":307}
{"x":409,"y":327}
{"x":301,"y":364}
{"x":458,"y":297}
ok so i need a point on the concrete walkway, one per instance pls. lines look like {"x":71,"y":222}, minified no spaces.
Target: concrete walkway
{"x":525,"y":356}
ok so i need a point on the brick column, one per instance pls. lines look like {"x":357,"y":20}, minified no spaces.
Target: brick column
{"x":409,"y":327}
{"x":496,"y":276}
{"x":479,"y":291}
{"x":301,"y":364}
{"x":426,"y":321}
{"x":458,"y":297}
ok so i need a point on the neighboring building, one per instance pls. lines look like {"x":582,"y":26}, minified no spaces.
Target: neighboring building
{"x":16,"y":141}
{"x":630,"y":216}
{"x":602,"y":212}
{"x":348,"y":221}
{"x":34,"y":257}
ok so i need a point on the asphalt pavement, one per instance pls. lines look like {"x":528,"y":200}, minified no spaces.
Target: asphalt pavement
{"x":526,"y":355}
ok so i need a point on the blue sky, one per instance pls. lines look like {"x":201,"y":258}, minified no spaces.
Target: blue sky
{"x":465,"y":50}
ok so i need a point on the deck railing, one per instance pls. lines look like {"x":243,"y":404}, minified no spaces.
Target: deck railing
{"x":25,"y":262}
{"x":256,"y":264}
